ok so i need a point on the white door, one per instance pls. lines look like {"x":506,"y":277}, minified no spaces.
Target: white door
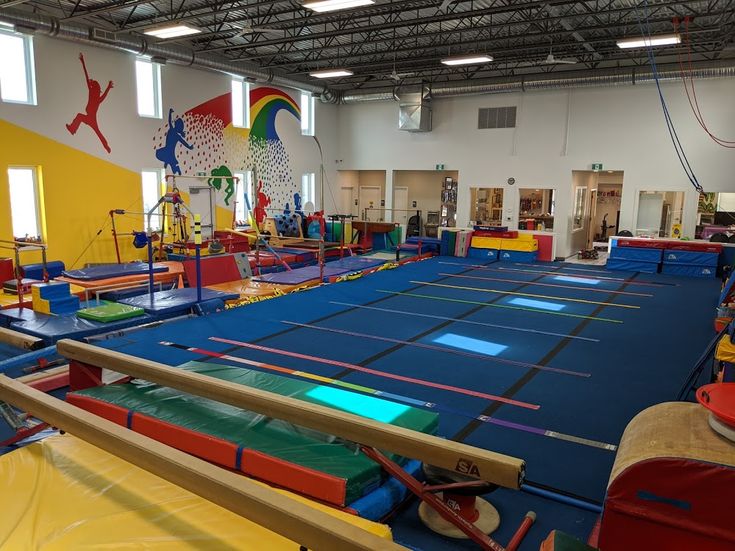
{"x":346,"y":201}
{"x":200,"y":202}
{"x":370,"y":199}
{"x":400,"y":204}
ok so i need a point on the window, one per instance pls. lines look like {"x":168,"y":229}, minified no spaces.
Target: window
{"x":148,"y":85}
{"x":308,"y":188}
{"x":17,"y":75}
{"x":307,"y":114}
{"x":240,"y":103}
{"x":580,"y":200}
{"x":245,"y":195}
{"x":152,"y":191}
{"x":487,"y":205}
{"x":24,"y":203}
{"x":536,"y":209}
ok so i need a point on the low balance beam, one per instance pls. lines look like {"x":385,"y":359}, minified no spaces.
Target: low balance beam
{"x":21,"y":340}
{"x":292,"y":519}
{"x":497,"y":468}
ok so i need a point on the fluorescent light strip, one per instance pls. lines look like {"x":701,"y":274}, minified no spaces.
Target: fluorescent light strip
{"x":649,"y":41}
{"x":467,"y":60}
{"x":172,"y":31}
{"x":332,"y":73}
{"x":334,"y":5}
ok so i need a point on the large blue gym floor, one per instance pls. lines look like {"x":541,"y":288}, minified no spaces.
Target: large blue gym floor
{"x":632,"y":358}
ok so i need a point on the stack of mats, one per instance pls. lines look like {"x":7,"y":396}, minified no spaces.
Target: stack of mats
{"x":54,"y":268}
{"x":54,"y":298}
{"x":107,"y":312}
{"x":502,"y":244}
{"x":692,"y":260}
{"x":117,"y":274}
{"x":306,"y":461}
{"x":635,"y":256}
{"x":462,"y":243}
{"x":62,"y":493}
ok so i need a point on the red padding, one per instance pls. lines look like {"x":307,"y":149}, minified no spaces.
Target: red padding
{"x":673,"y":245}
{"x":675,"y":504}
{"x":215,"y":269}
{"x":270,"y":469}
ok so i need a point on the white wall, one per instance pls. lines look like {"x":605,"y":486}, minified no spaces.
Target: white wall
{"x":557,"y":132}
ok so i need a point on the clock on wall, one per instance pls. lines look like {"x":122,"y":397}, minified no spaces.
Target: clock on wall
{"x":511,"y":181}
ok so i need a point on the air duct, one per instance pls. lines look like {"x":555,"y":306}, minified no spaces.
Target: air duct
{"x":414,"y":110}
{"x":724,"y":69}
{"x":172,"y":53}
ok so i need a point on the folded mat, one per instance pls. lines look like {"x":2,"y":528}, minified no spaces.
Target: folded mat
{"x":110,"y":311}
{"x":105,"y":271}
{"x":175,"y":270}
{"x":62,"y":493}
{"x":292,"y":457}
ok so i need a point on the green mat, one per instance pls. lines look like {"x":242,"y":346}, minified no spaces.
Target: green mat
{"x":110,"y":311}
{"x":275,"y":438}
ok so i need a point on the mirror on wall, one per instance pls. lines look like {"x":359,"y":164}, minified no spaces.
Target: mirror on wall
{"x":536,"y":209}
{"x":487,"y":206}
{"x":659,"y":213}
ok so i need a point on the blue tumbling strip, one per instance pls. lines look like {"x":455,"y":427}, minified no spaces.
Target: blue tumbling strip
{"x":27,"y":359}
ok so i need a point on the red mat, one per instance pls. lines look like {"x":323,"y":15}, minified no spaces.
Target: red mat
{"x":215,"y":269}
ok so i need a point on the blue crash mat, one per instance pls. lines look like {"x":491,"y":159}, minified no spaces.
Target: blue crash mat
{"x":105,"y":271}
{"x":53,"y":328}
{"x":175,"y":301}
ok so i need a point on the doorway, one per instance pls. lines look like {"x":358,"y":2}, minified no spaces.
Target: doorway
{"x":400,"y":205}
{"x":596,"y":197}
{"x":369,"y":198}
{"x":346,"y":200}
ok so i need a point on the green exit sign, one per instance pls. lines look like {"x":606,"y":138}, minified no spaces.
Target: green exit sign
{"x":597,"y":167}
{"x":440,"y":167}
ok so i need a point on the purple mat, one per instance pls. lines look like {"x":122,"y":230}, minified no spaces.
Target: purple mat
{"x":310,"y":273}
{"x":105,"y":271}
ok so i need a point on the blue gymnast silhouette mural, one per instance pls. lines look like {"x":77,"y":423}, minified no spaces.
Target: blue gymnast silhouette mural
{"x":174,"y":136}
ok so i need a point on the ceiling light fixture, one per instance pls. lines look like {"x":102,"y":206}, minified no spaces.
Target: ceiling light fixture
{"x":172,"y":31}
{"x":331,"y":73}
{"x":649,"y":41}
{"x":334,"y":5}
{"x":473,"y":59}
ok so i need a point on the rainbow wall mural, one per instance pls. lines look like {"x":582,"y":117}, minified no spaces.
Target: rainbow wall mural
{"x":203,"y":139}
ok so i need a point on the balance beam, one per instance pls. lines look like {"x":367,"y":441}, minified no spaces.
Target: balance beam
{"x":20,"y":340}
{"x":294,"y":520}
{"x":493,"y":467}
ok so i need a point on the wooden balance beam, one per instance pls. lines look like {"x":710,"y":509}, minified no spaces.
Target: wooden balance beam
{"x":499,"y":469}
{"x":292,"y":519}
{"x":20,"y":340}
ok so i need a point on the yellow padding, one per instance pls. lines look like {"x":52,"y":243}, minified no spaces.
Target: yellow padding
{"x":62,"y":493}
{"x":479,"y":242}
{"x":41,"y":305}
{"x":725,"y":351}
{"x":525,"y":237}
{"x":523,"y":245}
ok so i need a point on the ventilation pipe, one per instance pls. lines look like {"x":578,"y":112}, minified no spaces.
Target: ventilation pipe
{"x":523,"y":84}
{"x":171,"y":53}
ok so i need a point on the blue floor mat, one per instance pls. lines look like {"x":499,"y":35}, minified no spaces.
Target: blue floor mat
{"x":641,"y":356}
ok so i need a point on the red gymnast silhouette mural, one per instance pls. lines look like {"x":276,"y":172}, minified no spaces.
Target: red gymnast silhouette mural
{"x":95,"y":99}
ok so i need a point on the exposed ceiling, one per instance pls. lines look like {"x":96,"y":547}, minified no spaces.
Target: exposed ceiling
{"x":402,"y":41}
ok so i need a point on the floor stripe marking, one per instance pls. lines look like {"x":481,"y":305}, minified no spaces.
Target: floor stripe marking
{"x":458,"y":320}
{"x":420,"y":382}
{"x":494,"y":359}
{"x":506,"y":306}
{"x":534,"y":295}
{"x":558,"y":285}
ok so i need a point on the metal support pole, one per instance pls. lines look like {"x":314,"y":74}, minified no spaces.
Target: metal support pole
{"x":198,"y":247}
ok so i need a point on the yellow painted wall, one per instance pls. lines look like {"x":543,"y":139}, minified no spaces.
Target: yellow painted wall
{"x":78,"y":192}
